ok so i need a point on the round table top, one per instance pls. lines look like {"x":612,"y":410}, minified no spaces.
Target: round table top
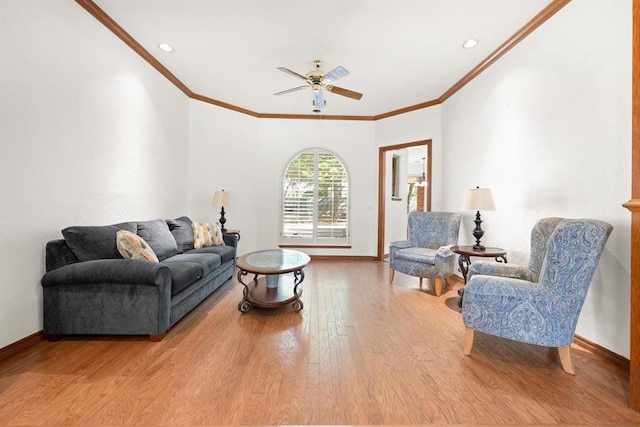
{"x":486,"y":252}
{"x":273,"y":261}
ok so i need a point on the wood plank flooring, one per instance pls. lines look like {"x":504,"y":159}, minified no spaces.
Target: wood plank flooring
{"x":361,"y":352}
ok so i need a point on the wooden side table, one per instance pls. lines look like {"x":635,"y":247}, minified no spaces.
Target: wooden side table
{"x":464,"y":260}
{"x":466,"y":252}
{"x":232,"y":232}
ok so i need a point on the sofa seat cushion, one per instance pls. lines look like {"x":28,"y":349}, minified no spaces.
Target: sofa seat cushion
{"x":183,"y":274}
{"x":226,"y":253}
{"x":156,"y":233}
{"x":423,"y":255}
{"x":188,"y":268}
{"x":91,"y":243}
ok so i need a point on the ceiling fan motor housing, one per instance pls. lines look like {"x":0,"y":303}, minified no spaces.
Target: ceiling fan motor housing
{"x":315,"y":77}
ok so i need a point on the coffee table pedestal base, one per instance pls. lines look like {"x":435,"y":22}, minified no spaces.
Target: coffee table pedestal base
{"x":261,"y":292}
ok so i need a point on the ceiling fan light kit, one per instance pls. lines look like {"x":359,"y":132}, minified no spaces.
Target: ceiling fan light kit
{"x":318,"y":80}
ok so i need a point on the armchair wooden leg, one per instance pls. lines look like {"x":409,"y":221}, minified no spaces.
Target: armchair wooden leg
{"x":438,"y":286}
{"x":468,"y":341}
{"x":391,"y":274}
{"x":565,"y":359}
{"x":421,"y":283}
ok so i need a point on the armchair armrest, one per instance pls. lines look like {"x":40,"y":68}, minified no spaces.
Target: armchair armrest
{"x":400,"y":244}
{"x":444,"y":259}
{"x":444,"y":251}
{"x":117,"y":271}
{"x":490,"y":268}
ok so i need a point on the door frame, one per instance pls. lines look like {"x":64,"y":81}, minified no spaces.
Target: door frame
{"x":382,"y":168}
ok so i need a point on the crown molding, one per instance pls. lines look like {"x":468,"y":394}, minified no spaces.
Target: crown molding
{"x":528,"y":28}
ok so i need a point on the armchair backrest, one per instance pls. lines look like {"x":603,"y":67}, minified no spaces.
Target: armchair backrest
{"x":433,"y":229}
{"x":572,"y":255}
{"x":540,"y":234}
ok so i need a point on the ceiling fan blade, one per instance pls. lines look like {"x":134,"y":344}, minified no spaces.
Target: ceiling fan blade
{"x":293,"y":73}
{"x":295,"y":89}
{"x":335,"y":74}
{"x":344,"y":92}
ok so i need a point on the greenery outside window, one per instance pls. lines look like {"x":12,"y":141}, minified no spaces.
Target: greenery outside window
{"x":315,"y":200}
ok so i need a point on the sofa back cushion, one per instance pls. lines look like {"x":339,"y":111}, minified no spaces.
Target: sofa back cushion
{"x":157,"y":235}
{"x":182,"y":233}
{"x":88,"y":243}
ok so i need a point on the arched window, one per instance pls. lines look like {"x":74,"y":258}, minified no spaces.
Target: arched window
{"x":315,"y":200}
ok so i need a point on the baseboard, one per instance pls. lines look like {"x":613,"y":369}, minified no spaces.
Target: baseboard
{"x":344,"y":257}
{"x":23,"y":344}
{"x":620,"y":361}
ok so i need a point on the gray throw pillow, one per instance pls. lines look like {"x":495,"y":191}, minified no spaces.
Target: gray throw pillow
{"x":88,"y":242}
{"x":183,"y":233}
{"x":157,"y":235}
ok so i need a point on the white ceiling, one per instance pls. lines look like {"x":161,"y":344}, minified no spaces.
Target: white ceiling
{"x":399,"y":53}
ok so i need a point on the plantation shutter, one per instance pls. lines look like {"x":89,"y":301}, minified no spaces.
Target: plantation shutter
{"x":298,"y":200}
{"x":332,"y":197}
{"x":315,"y":202}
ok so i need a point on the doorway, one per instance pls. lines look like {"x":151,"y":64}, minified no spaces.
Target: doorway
{"x":383,"y":181}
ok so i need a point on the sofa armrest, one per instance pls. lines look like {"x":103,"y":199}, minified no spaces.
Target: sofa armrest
{"x":231,"y":240}
{"x":117,"y":271}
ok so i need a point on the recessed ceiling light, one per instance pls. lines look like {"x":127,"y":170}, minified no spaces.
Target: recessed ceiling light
{"x":166,"y":47}
{"x":470,"y":43}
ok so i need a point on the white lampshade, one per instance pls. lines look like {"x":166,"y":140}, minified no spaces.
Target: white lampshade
{"x":221,"y":198}
{"x":479,"y":199}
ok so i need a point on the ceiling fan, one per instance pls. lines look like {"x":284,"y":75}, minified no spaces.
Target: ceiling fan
{"x":317,"y":80}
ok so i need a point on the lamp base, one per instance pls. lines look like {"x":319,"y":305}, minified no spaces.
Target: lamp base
{"x":478,"y":233}
{"x":222,"y":220}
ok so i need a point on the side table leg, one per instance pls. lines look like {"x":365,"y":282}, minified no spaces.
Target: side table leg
{"x":463,"y":262}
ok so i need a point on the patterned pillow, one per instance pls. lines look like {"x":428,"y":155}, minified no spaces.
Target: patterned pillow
{"x":132,"y":246}
{"x":206,"y":235}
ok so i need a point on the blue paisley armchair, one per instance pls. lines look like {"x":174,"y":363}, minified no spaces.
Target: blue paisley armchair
{"x":542,"y":307}
{"x":539,"y":235}
{"x":427,"y":252}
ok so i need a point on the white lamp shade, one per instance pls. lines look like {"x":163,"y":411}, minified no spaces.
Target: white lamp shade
{"x":221,"y":198}
{"x":479,"y":199}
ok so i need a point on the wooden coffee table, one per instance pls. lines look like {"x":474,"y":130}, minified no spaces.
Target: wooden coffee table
{"x":275,"y":287}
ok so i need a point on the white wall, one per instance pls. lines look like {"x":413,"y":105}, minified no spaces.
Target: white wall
{"x":417,"y":125}
{"x":548,"y":129}
{"x":90,"y":135}
{"x":247,"y":156}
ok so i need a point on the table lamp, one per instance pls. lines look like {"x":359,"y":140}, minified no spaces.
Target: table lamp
{"x":478,"y":199}
{"x":222,"y":199}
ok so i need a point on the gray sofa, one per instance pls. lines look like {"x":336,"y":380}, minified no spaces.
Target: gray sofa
{"x":89,"y":288}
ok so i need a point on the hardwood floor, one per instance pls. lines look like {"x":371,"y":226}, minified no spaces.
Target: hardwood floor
{"x":360,"y":352}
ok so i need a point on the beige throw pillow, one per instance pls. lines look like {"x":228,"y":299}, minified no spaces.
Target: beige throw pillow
{"x":205,"y":234}
{"x":132,"y":246}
